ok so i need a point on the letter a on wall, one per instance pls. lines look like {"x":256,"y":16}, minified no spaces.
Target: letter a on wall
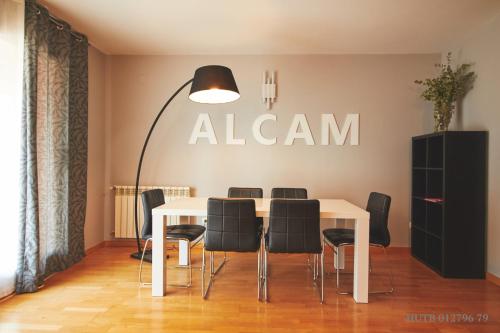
{"x":299,"y":121}
{"x":198,"y":132}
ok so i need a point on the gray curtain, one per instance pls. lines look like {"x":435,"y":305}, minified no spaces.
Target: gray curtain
{"x":54,"y":148}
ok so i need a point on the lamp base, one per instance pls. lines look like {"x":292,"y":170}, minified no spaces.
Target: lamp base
{"x":148,"y":256}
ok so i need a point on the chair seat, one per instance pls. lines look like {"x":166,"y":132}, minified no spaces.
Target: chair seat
{"x":248,"y":249}
{"x":183,"y":231}
{"x":338,"y":236}
{"x":187,"y":231}
{"x":266,"y":243}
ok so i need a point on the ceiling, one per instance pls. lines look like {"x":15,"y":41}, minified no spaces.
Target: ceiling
{"x":273,"y":26}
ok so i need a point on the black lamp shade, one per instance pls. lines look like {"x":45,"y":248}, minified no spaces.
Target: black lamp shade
{"x":213,"y":84}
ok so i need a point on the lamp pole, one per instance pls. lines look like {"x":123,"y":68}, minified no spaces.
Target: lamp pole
{"x":213,"y":84}
{"x":138,"y":254}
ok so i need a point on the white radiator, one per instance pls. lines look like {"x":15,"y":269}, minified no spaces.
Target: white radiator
{"x":124,"y":207}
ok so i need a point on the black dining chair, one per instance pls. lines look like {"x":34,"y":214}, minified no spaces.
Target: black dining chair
{"x":295,"y":193}
{"x":294,"y":227}
{"x":231,"y":227}
{"x":245,"y":192}
{"x":288,"y":193}
{"x":378,"y":206}
{"x":190,"y":233}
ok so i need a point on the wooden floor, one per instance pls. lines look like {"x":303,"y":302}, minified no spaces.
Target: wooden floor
{"x":100,"y":294}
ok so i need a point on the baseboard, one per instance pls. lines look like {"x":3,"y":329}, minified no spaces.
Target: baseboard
{"x":123,"y":242}
{"x":399,"y":249}
{"x":7,"y":297}
{"x":127,"y":242}
{"x":493,"y":278}
{"x":94,"y":248}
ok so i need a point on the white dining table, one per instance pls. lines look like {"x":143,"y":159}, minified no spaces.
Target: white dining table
{"x":329,"y":209}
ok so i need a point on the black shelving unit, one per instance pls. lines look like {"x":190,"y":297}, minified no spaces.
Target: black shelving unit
{"x":448,"y":204}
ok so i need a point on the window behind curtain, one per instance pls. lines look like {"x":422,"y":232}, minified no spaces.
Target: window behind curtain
{"x":11,"y":67}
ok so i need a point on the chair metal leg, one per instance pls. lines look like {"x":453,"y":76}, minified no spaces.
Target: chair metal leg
{"x":213,"y":272}
{"x":212,"y":265}
{"x":310,"y":263}
{"x":210,"y":280}
{"x":337,"y":265}
{"x":258,"y":273}
{"x":337,"y":269}
{"x":190,"y":266}
{"x":203,"y":272}
{"x":369,"y":263}
{"x":142,"y":261}
{"x":266,"y":283}
{"x":314,"y":267}
{"x":391,"y":277}
{"x":318,"y":257}
{"x":322,"y":273}
{"x":262,"y":251}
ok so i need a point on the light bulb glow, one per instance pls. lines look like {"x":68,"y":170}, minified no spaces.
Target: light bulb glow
{"x":214,"y":96}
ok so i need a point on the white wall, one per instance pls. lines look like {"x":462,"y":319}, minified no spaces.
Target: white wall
{"x":378,"y":87}
{"x":481,"y":111}
{"x":94,"y":222}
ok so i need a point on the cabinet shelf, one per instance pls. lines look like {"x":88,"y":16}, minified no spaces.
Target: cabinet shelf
{"x":421,"y":229}
{"x":426,"y":168}
{"x":434,"y":200}
{"x":429,"y":200}
{"x":433,"y":235}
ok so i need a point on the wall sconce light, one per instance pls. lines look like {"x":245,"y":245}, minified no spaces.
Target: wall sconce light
{"x":269,"y":89}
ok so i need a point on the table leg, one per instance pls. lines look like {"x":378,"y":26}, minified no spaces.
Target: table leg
{"x":361,"y":258}
{"x":158,"y":270}
{"x":183,"y":253}
{"x":184,"y":249}
{"x":339,"y":258}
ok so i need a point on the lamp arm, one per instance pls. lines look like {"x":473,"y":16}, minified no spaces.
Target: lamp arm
{"x":138,"y":176}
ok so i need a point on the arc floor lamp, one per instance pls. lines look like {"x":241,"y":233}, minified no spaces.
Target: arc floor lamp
{"x":212,"y":84}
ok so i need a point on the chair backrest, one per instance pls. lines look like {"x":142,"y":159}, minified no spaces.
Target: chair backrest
{"x":245,"y":192}
{"x":231,"y":226}
{"x":288,"y":193}
{"x":150,"y":199}
{"x":294,"y":226}
{"x":378,"y":207}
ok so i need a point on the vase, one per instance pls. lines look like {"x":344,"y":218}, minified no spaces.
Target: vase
{"x":442,"y":117}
